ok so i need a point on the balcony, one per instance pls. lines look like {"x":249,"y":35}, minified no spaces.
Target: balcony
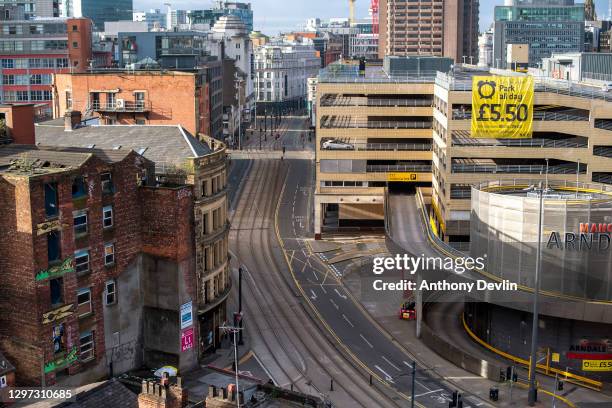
{"x":121,"y":105}
{"x":508,"y":167}
{"x":348,"y":122}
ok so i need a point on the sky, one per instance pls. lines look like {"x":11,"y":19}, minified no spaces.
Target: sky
{"x":272,"y":16}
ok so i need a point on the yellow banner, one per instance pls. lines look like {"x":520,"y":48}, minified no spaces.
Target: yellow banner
{"x":404,"y":177}
{"x":596,"y":365}
{"x":502,"y":107}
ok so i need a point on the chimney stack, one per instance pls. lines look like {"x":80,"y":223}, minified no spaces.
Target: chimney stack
{"x":18,"y":124}
{"x":162,"y":395}
{"x":72,"y":119}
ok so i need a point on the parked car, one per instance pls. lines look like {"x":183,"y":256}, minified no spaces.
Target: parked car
{"x":607,"y":87}
{"x":337,"y":145}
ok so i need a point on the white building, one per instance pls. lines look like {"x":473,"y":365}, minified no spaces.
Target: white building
{"x":485,"y":48}
{"x":155,"y":19}
{"x":282,"y":71}
{"x":364,"y":45}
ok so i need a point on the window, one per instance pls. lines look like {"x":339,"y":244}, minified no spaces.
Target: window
{"x":8,"y":79}
{"x":58,"y":338}
{"x":205,"y":223}
{"x":109,"y":254}
{"x":84,"y":302}
{"x":204,"y":188}
{"x":57,"y":291}
{"x":110,"y":293}
{"x":75,"y":28}
{"x":75,"y":44}
{"x":8,"y":63}
{"x":79,"y":188}
{"x":3,"y":381}
{"x":86,"y":346}
{"x":80,"y":222}
{"x":81,"y":261}
{"x":140,"y":122}
{"x":107,"y":216}
{"x":68,"y":100}
{"x":53,"y":247}
{"x":51,"y":209}
{"x":107,"y":183}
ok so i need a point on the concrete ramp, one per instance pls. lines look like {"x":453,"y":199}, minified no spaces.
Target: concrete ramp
{"x":405,"y":224}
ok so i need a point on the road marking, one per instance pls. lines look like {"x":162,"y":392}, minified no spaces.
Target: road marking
{"x":387,"y":376}
{"x":408,"y":364}
{"x":366,"y":340}
{"x":428,"y":392}
{"x":339,"y":294}
{"x":323,"y":289}
{"x":463,"y":378}
{"x":347,"y":320}
{"x":314,"y":295}
{"x":334,"y":303}
{"x":391,"y":364}
{"x":314,"y":274}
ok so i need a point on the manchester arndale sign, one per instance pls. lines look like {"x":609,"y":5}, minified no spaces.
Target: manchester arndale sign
{"x":591,"y":237}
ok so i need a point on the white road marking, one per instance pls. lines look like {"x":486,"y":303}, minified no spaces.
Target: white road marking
{"x":391,"y":364}
{"x":323,"y":289}
{"x":463,"y":378}
{"x":366,"y":340}
{"x":408,"y":364}
{"x":339,"y":294}
{"x":314,"y":274}
{"x":334,"y":303}
{"x":387,"y":376}
{"x":314,"y":295}
{"x":347,"y":320}
{"x":428,"y":392}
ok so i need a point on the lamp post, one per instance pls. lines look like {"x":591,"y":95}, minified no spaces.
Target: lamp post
{"x":533,"y":390}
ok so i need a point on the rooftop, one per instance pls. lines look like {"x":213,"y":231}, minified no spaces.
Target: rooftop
{"x":33,"y":160}
{"x":164,"y":145}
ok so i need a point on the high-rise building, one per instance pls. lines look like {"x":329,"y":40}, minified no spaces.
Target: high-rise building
{"x":223,"y":8}
{"x":589,"y":10}
{"x":154,"y":18}
{"x":546,"y":26}
{"x":485,"y":48}
{"x":32,"y":8}
{"x":435,"y":27}
{"x":98,"y":11}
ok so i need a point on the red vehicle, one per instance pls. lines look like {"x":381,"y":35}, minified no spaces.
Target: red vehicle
{"x":407,"y":311}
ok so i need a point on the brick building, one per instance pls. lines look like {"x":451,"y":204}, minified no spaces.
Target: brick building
{"x":191,"y":98}
{"x":31,"y":51}
{"x":170,"y":276}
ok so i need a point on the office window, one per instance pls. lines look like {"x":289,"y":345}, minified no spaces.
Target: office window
{"x":107,"y":216}
{"x":106,"y":180}
{"x":53,"y":247}
{"x":110,"y":292}
{"x":80,"y":222}
{"x":84,"y":302}
{"x":81,"y":261}
{"x":51,"y":209}
{"x":79,"y":187}
{"x":56,"y":287}
{"x":59,"y":340}
{"x":109,"y":254}
{"x":86,"y":346}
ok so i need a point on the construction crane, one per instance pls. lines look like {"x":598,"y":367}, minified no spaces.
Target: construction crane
{"x":351,"y":12}
{"x":374,"y":12}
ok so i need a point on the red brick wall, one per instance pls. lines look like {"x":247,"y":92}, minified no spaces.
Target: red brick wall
{"x":20,"y":122}
{"x":79,"y":34}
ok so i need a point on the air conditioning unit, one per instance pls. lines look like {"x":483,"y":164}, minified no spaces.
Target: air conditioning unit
{"x":120,"y":103}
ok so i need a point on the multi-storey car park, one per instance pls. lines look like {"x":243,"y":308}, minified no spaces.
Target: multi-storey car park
{"x":571,"y":142}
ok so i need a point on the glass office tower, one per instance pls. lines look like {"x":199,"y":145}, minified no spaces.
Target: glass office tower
{"x":547,"y":26}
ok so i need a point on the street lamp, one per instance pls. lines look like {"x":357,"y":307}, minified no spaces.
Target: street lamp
{"x":533,"y":390}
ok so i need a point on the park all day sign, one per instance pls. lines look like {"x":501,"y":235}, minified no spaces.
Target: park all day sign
{"x":502,"y":107}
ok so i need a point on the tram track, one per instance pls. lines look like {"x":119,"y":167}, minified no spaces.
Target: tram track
{"x":291,"y":346}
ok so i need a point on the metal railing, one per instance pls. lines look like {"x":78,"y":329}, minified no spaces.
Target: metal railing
{"x":515,"y":168}
{"x":604,"y":151}
{"x":350,"y":101}
{"x":461,"y":194}
{"x":551,"y":143}
{"x":394,"y":146}
{"x":126,"y":106}
{"x":603,"y":124}
{"x":537,"y":115}
{"x":541,"y":84}
{"x":377,"y":75}
{"x":386,"y":168}
{"x":349,"y":123}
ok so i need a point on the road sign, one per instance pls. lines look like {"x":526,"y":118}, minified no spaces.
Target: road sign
{"x":596,"y":365}
{"x":402,"y":177}
{"x":187,"y":340}
{"x":555,"y":357}
{"x":186,"y":315}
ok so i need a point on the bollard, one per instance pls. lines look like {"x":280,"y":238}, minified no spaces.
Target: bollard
{"x":370,"y":379}
{"x":331,"y":384}
{"x":291,"y":386}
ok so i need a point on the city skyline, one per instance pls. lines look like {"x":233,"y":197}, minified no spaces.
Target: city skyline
{"x":269,"y":18}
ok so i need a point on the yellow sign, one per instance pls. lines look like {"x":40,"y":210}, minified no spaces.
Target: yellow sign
{"x":58,"y":314}
{"x":596,"y":365}
{"x":555,"y":357}
{"x":405,"y":177}
{"x":502,"y":107}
